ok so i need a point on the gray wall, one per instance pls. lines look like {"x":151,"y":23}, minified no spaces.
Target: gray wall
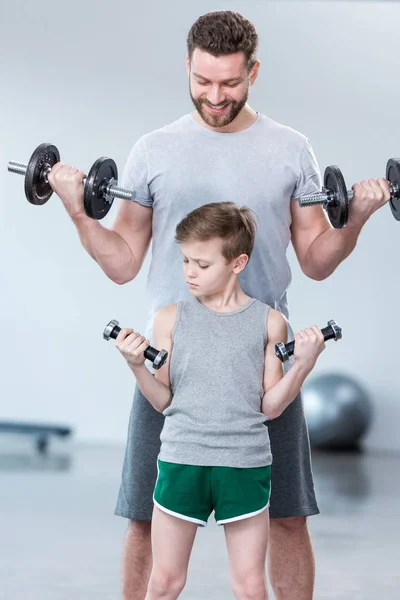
{"x":92,"y":77}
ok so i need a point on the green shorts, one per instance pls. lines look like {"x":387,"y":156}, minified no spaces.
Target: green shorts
{"x":192,"y":493}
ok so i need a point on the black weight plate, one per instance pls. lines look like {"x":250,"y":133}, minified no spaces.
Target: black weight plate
{"x":37,"y":190}
{"x":393,"y":175}
{"x":96,"y":205}
{"x":338,"y":210}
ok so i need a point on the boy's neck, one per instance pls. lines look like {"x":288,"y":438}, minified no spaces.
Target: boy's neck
{"x":227,"y":301}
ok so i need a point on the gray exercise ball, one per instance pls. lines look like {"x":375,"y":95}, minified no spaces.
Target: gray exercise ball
{"x":338,"y":411}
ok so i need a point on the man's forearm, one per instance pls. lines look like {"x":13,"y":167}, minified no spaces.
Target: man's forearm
{"x":158,"y":394}
{"x":278,"y":397}
{"x":108,"y":249}
{"x":329,"y":249}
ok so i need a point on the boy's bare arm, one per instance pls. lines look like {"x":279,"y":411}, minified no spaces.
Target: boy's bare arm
{"x":164,"y":323}
{"x":156,"y":389}
{"x":281,"y":389}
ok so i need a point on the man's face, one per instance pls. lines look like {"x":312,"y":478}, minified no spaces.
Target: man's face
{"x":219,"y":86}
{"x":205,"y":268}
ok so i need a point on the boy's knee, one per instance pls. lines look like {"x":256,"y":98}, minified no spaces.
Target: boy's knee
{"x":165,"y":583}
{"x":288,"y":526}
{"x":250,"y":586}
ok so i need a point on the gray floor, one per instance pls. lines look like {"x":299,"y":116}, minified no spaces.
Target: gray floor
{"x":59,"y":539}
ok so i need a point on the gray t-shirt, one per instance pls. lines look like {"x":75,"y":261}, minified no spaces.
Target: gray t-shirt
{"x":184,"y":165}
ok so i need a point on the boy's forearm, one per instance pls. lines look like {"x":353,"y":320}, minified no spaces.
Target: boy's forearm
{"x":107,"y":248}
{"x":158,"y":394}
{"x":278,"y":397}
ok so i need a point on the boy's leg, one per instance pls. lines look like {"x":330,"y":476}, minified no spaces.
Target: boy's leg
{"x":135,"y":499}
{"x":247,"y":541}
{"x":290,"y":555}
{"x":172,"y":541}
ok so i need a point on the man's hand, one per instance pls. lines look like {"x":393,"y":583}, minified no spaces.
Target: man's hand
{"x":67,"y":182}
{"x":369,"y":195}
{"x":132,"y":346}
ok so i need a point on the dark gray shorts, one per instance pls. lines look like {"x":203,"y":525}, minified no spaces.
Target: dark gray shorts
{"x":292,"y":488}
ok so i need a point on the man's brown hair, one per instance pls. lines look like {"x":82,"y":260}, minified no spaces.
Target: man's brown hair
{"x":224,"y":32}
{"x":235,"y":226}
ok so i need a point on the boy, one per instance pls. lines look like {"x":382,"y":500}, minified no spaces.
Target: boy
{"x":221,"y":382}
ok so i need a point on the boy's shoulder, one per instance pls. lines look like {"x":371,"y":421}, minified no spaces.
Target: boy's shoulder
{"x":277,"y":325}
{"x":166,"y":313}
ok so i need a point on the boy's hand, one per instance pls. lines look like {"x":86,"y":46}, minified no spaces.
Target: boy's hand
{"x":309,"y":343}
{"x":132,"y":346}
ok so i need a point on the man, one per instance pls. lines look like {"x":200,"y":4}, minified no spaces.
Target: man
{"x":223,"y":151}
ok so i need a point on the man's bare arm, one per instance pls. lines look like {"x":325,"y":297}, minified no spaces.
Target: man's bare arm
{"x":119,"y":251}
{"x":319,"y":248}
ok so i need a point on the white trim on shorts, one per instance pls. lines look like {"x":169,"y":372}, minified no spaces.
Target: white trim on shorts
{"x":241,"y":517}
{"x":179,"y":516}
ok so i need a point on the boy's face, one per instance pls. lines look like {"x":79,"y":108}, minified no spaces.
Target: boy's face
{"x":205,"y":268}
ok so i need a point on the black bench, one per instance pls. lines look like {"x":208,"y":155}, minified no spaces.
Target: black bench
{"x":42,"y":432}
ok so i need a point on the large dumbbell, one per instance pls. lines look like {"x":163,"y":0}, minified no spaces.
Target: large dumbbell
{"x":335,"y":198}
{"x":157,"y":357}
{"x":100,"y":186}
{"x":331,"y":332}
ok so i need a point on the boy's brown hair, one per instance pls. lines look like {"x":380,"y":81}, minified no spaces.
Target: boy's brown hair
{"x":224,"y":32}
{"x":235,"y":226}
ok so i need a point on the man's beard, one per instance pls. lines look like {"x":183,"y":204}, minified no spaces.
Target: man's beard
{"x":235,"y":106}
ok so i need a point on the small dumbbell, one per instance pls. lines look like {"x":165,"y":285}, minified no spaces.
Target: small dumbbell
{"x":335,"y":198}
{"x":331,"y":332}
{"x":100,"y":186}
{"x":157,"y":357}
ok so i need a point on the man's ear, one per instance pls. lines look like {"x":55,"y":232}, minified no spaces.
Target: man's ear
{"x":254,"y":72}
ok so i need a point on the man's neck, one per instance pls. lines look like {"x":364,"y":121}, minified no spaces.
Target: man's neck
{"x":245,"y":119}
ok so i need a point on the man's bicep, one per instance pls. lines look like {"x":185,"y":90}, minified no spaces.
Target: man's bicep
{"x":307,"y":224}
{"x":134,"y":218}
{"x":134,"y":224}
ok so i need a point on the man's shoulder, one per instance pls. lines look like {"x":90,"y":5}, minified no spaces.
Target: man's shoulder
{"x":177,"y":127}
{"x":285,"y":133}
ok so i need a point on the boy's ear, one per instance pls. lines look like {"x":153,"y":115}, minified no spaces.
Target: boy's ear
{"x":240,"y":263}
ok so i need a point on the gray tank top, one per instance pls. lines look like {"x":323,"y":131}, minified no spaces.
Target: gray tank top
{"x":216,"y":374}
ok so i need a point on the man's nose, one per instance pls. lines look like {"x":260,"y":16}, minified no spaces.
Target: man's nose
{"x":215,"y":95}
